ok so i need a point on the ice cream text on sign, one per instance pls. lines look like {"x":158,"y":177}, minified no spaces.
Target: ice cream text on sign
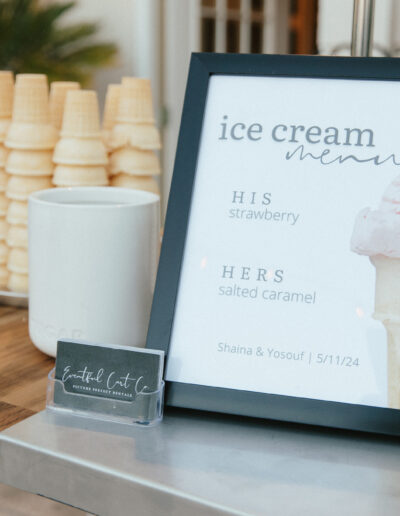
{"x":332,"y":137}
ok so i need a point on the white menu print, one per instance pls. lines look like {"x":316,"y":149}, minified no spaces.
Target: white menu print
{"x":271,"y":297}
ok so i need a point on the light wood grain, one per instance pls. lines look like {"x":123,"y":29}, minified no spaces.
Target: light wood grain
{"x":23,"y":369}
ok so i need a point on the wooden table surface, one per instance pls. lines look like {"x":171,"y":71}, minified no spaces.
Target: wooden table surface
{"x":23,"y":369}
{"x":23,"y":379}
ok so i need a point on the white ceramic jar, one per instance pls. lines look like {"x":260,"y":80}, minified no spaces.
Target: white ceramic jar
{"x":93,"y":255}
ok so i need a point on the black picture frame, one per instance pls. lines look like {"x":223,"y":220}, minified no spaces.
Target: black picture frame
{"x":246,"y":403}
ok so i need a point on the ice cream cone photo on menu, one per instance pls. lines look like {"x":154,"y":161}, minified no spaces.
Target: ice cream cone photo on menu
{"x":376,"y":234}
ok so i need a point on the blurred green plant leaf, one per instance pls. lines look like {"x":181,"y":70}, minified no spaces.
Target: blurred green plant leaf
{"x":33,"y":41}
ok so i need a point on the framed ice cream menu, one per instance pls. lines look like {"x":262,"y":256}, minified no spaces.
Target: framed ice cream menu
{"x":278,"y":292}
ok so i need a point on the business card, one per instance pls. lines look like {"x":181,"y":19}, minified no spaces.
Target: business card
{"x":106,"y":371}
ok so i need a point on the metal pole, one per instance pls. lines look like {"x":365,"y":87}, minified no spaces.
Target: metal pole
{"x":363,"y":21}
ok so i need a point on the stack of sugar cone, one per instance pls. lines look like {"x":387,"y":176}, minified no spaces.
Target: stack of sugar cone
{"x":80,"y":155}
{"x":30,"y":140}
{"x":134,"y":137}
{"x":58,"y":93}
{"x":6,"y":99}
{"x":110,"y":113}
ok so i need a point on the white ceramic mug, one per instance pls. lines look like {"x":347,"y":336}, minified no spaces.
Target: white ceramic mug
{"x":93,"y":255}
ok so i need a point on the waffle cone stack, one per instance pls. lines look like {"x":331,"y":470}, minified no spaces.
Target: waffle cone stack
{"x":30,"y":128}
{"x":3,"y":244}
{"x":30,"y":140}
{"x":80,"y":155}
{"x":110,"y":113}
{"x":58,"y":93}
{"x":6,"y":101}
{"x":134,"y":138}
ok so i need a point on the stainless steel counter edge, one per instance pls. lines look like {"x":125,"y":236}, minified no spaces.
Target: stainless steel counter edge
{"x":76,"y":483}
{"x":200,"y":464}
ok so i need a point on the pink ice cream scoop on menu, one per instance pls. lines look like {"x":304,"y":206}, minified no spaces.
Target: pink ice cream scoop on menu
{"x":378,"y":231}
{"x":377,"y":234}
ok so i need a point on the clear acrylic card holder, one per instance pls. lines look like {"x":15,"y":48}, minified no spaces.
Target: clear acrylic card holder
{"x":145,"y":410}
